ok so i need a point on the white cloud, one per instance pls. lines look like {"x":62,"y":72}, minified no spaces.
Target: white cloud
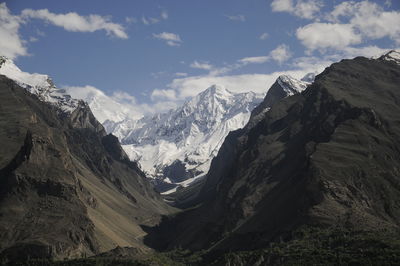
{"x":308,"y":9}
{"x":152,"y":20}
{"x":213,"y":70}
{"x":254,"y":60}
{"x":341,"y":10}
{"x":171,"y":39}
{"x":181,"y":74}
{"x":327,"y":35}
{"x":199,"y":65}
{"x":375,"y":23}
{"x":264,"y":36}
{"x":351,"y":23}
{"x":301,"y":8}
{"x":77,"y":23}
{"x":281,"y":53}
{"x":163,"y":94}
{"x":238,"y":17}
{"x":11,"y":44}
{"x":282,"y":5}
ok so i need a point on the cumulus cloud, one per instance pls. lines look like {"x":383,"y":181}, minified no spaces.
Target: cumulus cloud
{"x":327,"y":35}
{"x":307,"y":9}
{"x":170,"y":39}
{"x":238,"y":17}
{"x":351,"y":23}
{"x":375,"y":23}
{"x":281,"y":53}
{"x":11,"y":45}
{"x":74,"y":22}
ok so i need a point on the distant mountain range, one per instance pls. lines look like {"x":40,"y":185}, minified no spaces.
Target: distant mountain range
{"x":176,"y":148}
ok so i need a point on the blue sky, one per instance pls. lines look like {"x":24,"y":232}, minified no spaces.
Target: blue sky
{"x":160,"y":53}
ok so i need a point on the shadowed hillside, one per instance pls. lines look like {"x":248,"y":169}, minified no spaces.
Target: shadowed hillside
{"x":66,"y":188}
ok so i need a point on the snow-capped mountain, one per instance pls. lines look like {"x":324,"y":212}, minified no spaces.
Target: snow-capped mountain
{"x":393,"y":55}
{"x":176,"y":146}
{"x":104,"y":107}
{"x":67,"y":99}
{"x":40,"y":85}
{"x":292,"y":86}
{"x":180,"y":144}
{"x":283,"y":87}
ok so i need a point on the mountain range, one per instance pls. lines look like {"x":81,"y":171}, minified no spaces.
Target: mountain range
{"x":176,"y":148}
{"x":309,"y":176}
{"x":325,"y":158}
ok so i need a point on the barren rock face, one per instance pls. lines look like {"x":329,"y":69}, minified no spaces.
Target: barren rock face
{"x":66,"y":188}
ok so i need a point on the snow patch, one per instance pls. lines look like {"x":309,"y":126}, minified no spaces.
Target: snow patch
{"x":40,"y":85}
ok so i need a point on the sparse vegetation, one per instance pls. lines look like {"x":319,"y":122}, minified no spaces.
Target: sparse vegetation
{"x":312,"y":246}
{"x":309,"y":246}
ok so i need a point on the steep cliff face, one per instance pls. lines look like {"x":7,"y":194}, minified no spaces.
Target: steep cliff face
{"x":66,"y":188}
{"x":325,"y":157}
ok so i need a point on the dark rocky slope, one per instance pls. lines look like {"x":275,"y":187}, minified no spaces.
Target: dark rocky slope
{"x":187,"y":197}
{"x":66,"y":188}
{"x":327,"y":157}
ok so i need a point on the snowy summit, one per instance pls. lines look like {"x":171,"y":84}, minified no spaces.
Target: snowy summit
{"x":40,"y":85}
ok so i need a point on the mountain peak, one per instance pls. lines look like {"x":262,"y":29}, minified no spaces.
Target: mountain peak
{"x":216,"y":90}
{"x":291,"y":85}
{"x":180,"y":144}
{"x":392,"y":55}
{"x":38,"y":84}
{"x":3,"y":59}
